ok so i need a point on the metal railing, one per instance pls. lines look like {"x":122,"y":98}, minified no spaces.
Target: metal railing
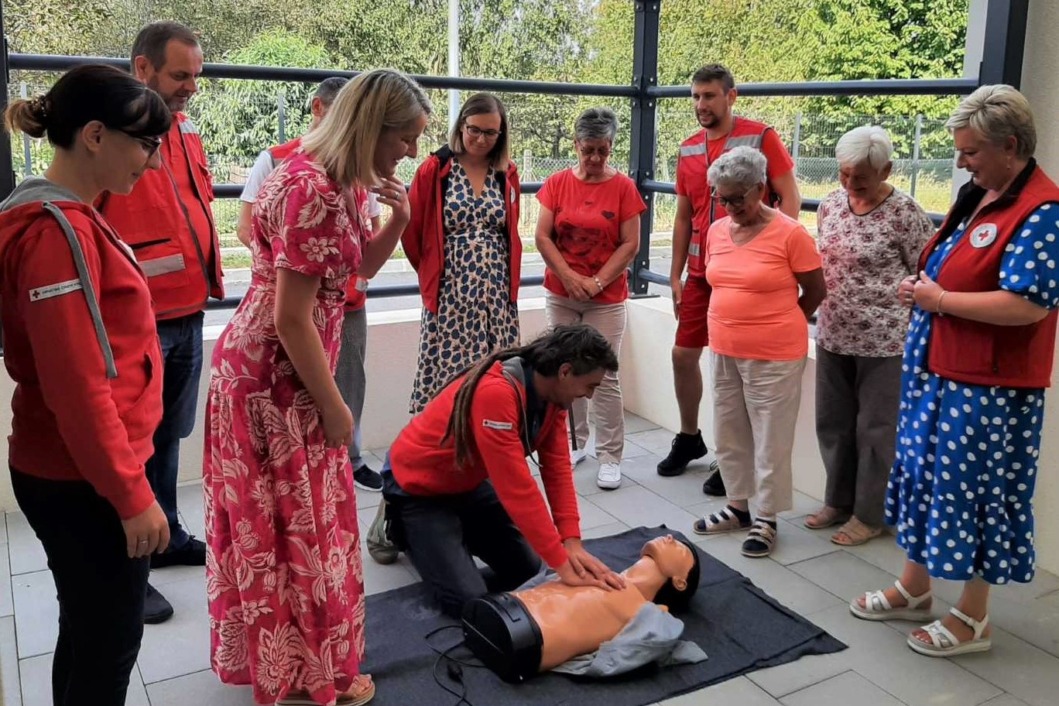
{"x":1002,"y":62}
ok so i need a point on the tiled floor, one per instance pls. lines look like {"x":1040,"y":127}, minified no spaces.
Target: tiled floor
{"x":806,"y":573}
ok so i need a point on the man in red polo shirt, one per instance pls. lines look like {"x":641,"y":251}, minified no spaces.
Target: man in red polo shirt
{"x":167,"y":222}
{"x":713,"y":94}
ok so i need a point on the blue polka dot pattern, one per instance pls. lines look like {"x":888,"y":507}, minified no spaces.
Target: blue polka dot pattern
{"x":961,"y":488}
{"x":475,"y":313}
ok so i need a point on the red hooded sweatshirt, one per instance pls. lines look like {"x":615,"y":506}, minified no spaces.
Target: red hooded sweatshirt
{"x":80,"y":343}
{"x":424,"y":462}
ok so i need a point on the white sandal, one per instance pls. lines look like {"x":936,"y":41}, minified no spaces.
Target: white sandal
{"x":876,"y":607}
{"x":944,"y":644}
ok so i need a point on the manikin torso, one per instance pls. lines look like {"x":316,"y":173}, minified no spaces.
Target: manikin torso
{"x":576,"y":620}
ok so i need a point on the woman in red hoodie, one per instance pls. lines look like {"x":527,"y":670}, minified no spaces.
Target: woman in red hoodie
{"x":80,"y":344}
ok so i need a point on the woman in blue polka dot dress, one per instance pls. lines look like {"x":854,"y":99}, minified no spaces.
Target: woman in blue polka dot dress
{"x":977,"y":358}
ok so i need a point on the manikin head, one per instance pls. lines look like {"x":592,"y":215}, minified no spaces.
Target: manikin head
{"x":678,"y":561}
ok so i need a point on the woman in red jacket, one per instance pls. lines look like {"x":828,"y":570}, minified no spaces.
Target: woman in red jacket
{"x":463,"y":241}
{"x":457,"y":480}
{"x":978,"y":356}
{"x":80,"y":344}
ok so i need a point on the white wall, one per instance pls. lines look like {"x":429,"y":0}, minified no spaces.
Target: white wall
{"x":1039,"y":70}
{"x":393,"y":346}
{"x":647,"y":386}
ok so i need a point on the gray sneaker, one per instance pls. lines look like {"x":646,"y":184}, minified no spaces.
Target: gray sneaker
{"x":381,"y":549}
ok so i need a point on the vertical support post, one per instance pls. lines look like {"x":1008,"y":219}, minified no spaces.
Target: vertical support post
{"x":281,"y":109}
{"x":915,"y":154}
{"x":27,"y":151}
{"x":1005,"y":42}
{"x":796,"y":146}
{"x":7,"y":166}
{"x":454,"y":59}
{"x":643,"y":143}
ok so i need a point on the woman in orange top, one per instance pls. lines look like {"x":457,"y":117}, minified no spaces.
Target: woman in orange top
{"x":756,"y":261}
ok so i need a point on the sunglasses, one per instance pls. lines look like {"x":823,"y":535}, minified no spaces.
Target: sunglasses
{"x":150,"y":144}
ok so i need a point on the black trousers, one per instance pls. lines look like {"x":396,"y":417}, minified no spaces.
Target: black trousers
{"x":443,"y":534}
{"x":100,"y":590}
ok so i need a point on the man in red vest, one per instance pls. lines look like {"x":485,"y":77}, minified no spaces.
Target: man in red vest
{"x":713,"y":94}
{"x":349,"y":373}
{"x":167,"y":222}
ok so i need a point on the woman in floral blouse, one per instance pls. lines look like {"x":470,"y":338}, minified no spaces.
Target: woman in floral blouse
{"x":870,"y":237}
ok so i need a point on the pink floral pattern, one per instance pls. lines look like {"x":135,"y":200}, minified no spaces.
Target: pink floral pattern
{"x":865,"y":258}
{"x":283,"y":568}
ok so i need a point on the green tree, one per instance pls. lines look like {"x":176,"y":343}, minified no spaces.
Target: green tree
{"x":238,"y":118}
{"x":878,"y":39}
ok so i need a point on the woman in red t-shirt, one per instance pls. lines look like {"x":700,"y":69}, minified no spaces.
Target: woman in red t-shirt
{"x":588,"y":233}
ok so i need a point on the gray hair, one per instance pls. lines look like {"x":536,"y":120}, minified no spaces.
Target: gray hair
{"x":329,"y":88}
{"x":998,"y":112}
{"x":868,"y":144}
{"x":596,"y":124}
{"x":742,"y":167}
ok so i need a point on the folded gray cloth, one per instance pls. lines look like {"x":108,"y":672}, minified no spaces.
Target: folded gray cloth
{"x":652,"y":636}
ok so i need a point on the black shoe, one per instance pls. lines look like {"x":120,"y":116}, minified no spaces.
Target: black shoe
{"x":193,"y":553}
{"x":367,"y":479}
{"x":686,"y":448}
{"x":156,"y":609}
{"x":714,"y":485}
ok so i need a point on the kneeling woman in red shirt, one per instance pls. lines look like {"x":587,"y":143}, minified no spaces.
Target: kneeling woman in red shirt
{"x":80,"y":344}
{"x":459,"y":485}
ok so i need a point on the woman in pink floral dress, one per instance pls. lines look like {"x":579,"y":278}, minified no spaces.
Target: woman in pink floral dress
{"x":284,"y":578}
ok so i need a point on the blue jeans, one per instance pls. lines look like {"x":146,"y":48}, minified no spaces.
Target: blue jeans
{"x":181,"y":341}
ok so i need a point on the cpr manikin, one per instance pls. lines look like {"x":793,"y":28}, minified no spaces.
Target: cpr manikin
{"x":534,"y":630}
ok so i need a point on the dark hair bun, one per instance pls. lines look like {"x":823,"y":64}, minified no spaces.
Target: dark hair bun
{"x":27,"y":116}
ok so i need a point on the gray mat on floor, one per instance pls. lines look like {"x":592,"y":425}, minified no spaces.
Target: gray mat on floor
{"x":736,"y":623}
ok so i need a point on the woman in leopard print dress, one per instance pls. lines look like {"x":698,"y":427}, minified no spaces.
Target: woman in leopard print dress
{"x":463,"y":242}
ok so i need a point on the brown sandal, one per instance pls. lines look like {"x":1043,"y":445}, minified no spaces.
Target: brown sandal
{"x":827,"y":517}
{"x":361,"y":692}
{"x":854,"y":533}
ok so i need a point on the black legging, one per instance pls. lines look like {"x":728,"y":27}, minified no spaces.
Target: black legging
{"x":100,"y":590}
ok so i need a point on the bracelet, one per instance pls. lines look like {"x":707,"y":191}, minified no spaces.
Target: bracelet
{"x":942,"y":296}
{"x":598,"y":283}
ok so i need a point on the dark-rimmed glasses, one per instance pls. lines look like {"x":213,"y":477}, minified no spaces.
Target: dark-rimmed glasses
{"x":731,"y":201}
{"x":476,"y":132}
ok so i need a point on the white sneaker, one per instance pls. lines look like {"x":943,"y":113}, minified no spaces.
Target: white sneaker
{"x":577,"y":456}
{"x":609,"y":476}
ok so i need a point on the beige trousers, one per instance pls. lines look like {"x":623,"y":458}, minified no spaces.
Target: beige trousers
{"x":607,"y":408}
{"x":755,"y":409}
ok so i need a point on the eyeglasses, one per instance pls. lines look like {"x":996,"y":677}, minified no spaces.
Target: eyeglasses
{"x":477,"y":132}
{"x":731,"y":201}
{"x":150,"y":144}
